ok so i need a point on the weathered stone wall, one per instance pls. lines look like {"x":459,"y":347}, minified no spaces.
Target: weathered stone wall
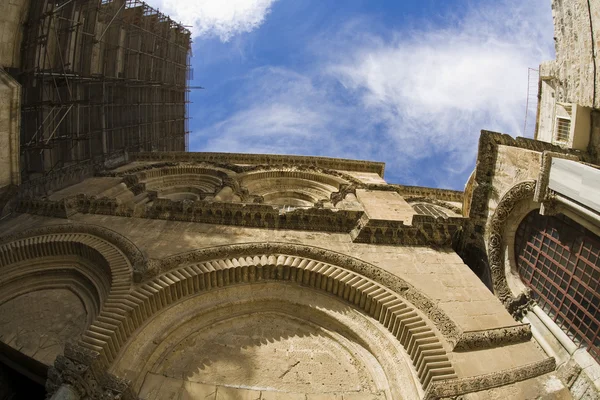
{"x":577,"y":36}
{"x":12,"y":18}
{"x":10,"y":115}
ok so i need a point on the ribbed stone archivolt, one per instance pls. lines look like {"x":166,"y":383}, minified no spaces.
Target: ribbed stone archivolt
{"x":417,"y":335}
{"x":94,"y":262}
{"x":521,"y":191}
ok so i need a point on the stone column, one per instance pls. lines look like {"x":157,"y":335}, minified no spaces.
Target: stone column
{"x":65,"y":392}
{"x":10,"y":125}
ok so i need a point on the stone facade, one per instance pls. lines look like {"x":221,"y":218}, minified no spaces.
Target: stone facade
{"x":155,"y":275}
{"x":193,"y":275}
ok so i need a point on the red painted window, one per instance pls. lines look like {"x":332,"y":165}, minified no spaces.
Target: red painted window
{"x":559,"y":260}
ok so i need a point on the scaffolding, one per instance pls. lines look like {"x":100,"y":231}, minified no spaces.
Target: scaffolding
{"x":99,"y":77}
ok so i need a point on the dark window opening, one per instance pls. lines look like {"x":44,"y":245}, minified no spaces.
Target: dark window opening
{"x":15,"y":386}
{"x":558,"y":260}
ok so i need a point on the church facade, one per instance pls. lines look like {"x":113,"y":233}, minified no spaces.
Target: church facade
{"x":232,"y":275}
{"x":133,"y":270}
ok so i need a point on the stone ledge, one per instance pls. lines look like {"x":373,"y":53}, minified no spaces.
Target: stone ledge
{"x":456,"y":387}
{"x":238,"y":158}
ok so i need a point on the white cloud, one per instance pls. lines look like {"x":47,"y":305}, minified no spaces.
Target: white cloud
{"x":222,"y":18}
{"x":276,"y":112}
{"x":416,"y":101}
{"x":434,"y":90}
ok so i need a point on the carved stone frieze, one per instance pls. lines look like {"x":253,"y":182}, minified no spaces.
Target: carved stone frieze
{"x":477,"y":340}
{"x":264,"y":159}
{"x":425,"y":230}
{"x":456,"y":387}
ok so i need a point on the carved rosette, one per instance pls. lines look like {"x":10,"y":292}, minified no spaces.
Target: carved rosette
{"x":515,"y":305}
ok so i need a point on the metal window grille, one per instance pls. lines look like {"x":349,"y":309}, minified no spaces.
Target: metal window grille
{"x":559,"y":260}
{"x":563,"y":130}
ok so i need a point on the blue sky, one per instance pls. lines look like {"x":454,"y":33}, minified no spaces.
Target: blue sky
{"x":409,"y":83}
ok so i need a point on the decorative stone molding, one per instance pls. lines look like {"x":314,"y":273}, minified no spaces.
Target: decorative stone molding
{"x":457,"y":387}
{"x":341,"y":194}
{"x":490,"y":338}
{"x":124,"y":255}
{"x":389,"y":304}
{"x":79,"y":369}
{"x":515,"y":305}
{"x":254,"y":215}
{"x":265,"y":159}
{"x":425,"y":230}
{"x":419,"y":191}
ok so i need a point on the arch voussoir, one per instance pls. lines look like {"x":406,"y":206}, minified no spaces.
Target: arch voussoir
{"x":417,"y":335}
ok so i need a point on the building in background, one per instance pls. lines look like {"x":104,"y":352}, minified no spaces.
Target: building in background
{"x":97,"y":78}
{"x":534,"y":205}
{"x":132,"y":269}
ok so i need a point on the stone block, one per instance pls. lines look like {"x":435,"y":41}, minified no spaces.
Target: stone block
{"x":198,"y":391}
{"x":229,"y":393}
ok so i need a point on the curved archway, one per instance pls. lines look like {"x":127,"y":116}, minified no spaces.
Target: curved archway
{"x":268,"y":337}
{"x":496,"y":250}
{"x":300,"y":188}
{"x":188,"y":181}
{"x":192,"y":273}
{"x":76,"y":271}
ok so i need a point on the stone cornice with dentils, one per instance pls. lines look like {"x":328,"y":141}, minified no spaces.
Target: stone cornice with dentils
{"x":268,"y":159}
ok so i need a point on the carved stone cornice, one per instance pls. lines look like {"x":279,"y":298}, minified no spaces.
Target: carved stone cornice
{"x":252,"y":215}
{"x":264,"y":159}
{"x":420,"y":191}
{"x":490,"y":338}
{"x":451,"y":389}
{"x":424,"y":231}
{"x":521,"y":191}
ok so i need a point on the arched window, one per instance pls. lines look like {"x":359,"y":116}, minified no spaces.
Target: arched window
{"x":559,"y":260}
{"x":429,"y":209}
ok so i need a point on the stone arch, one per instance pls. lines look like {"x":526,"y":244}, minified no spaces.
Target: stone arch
{"x":194,"y":180}
{"x":70,"y":262}
{"x":233,"y":337}
{"x":291,"y":187}
{"x":422,"y":329}
{"x":502,"y":217}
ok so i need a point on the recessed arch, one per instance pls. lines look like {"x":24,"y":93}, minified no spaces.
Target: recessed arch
{"x":87,"y":266}
{"x":377,"y":295}
{"x":300,"y":187}
{"x":226,"y":337}
{"x":192,"y":182}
